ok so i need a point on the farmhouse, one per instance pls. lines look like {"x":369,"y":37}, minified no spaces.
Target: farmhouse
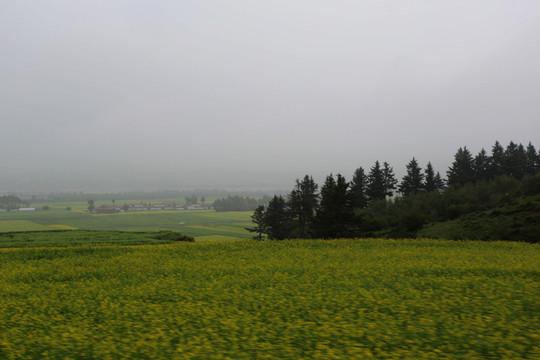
{"x":106,"y":210}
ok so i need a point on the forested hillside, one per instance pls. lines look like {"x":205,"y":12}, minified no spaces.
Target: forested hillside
{"x":497,"y":186}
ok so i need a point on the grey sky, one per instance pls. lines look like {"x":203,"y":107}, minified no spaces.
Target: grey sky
{"x":103,"y":95}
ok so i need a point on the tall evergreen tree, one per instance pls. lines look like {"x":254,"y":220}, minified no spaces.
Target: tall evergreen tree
{"x":303,"y":201}
{"x":461,"y":170}
{"x":277,"y":219}
{"x":258,"y":218}
{"x":521,"y":158}
{"x":413,"y":181}
{"x":532,"y":165}
{"x":429,"y":178}
{"x":515,"y":160}
{"x":439,"y":182}
{"x":335,"y":216}
{"x":375,"y":185}
{"x":389,"y":179}
{"x":359,"y":189}
{"x":497,"y":160}
{"x":481,"y":165}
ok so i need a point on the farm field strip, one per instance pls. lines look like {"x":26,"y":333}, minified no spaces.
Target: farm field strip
{"x":41,"y":239}
{"x":198,"y":222}
{"x":216,"y":238}
{"x":27,"y":225}
{"x":349,"y":299}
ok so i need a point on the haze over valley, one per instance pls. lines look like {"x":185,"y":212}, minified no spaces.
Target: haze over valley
{"x":130,"y":95}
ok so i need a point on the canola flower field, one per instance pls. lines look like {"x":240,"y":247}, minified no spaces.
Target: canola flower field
{"x":295,"y":299}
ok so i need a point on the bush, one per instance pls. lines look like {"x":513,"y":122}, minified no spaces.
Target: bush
{"x":413,"y":221}
{"x":531,"y":184}
{"x":172,"y":236}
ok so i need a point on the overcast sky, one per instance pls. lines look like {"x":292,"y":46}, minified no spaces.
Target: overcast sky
{"x":112,"y":95}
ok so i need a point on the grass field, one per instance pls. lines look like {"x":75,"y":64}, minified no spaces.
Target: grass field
{"x":198,"y":223}
{"x":346,"y":299}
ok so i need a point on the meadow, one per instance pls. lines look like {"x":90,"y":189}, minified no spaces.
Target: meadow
{"x":294,"y":299}
{"x":201,"y":224}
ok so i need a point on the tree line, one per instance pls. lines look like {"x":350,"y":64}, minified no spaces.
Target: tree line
{"x":376,"y":203}
{"x":239,"y":203}
{"x":10,"y":202}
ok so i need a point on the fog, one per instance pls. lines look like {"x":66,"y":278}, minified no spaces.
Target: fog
{"x":135,"y":95}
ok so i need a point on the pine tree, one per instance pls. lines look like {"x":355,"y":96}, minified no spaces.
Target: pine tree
{"x":413,"y":181}
{"x":429,"y":176}
{"x":515,"y":160}
{"x":439,"y":182}
{"x":521,"y":161}
{"x":302,"y":202}
{"x":277,"y":219}
{"x":461,"y":170}
{"x":389,"y":180}
{"x":497,"y":160}
{"x":258,"y":218}
{"x":481,"y":165}
{"x":335,"y":216}
{"x":359,"y":188}
{"x":532,"y":165}
{"x":375,"y":184}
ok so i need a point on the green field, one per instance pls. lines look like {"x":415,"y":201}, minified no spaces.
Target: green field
{"x":197,"y":223}
{"x":335,"y":299}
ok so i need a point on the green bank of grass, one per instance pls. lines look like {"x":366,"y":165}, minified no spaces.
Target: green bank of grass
{"x":518,"y":221}
{"x":349,"y":299}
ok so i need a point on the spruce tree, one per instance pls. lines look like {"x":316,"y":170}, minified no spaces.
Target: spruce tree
{"x":532,"y":165}
{"x":429,"y":176}
{"x":481,"y":165}
{"x":302,"y":202}
{"x":335,"y":216}
{"x":258,"y":218}
{"x":461,"y":170}
{"x":439,"y":182}
{"x":359,"y":188}
{"x":375,"y":184}
{"x":277,"y":219}
{"x":413,"y":181}
{"x":515,"y":160}
{"x":389,"y":179}
{"x":497,"y":160}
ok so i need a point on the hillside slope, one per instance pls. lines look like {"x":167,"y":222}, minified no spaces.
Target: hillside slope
{"x":518,"y":221}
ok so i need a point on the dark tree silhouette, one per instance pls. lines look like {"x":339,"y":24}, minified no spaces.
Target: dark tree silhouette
{"x":413,"y":181}
{"x":497,"y":160}
{"x":258,"y":218}
{"x":277,"y":221}
{"x":358,"y":189}
{"x":389,"y":179}
{"x":482,"y":165}
{"x":335,"y":216}
{"x":375,"y":184}
{"x":302,"y":202}
{"x":461,"y":170}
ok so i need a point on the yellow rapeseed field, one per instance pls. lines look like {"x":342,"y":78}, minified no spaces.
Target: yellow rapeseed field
{"x":295,"y":299}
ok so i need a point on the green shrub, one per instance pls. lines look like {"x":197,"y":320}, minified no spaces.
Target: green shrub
{"x":413,"y":221}
{"x":172,"y":236}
